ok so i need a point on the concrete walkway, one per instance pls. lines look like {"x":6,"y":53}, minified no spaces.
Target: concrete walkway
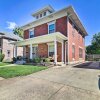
{"x":53,"y":84}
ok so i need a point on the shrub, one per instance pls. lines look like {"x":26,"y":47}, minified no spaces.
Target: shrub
{"x":14,"y":59}
{"x":19,"y":57}
{"x":1,"y":57}
{"x":37,"y":60}
{"x":47,"y":59}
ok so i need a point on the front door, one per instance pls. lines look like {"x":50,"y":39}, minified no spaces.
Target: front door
{"x":35,"y":51}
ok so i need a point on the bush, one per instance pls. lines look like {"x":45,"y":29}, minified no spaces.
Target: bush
{"x":14,"y":59}
{"x":47,"y":59}
{"x":37,"y":60}
{"x":19,"y":57}
{"x":1,"y":57}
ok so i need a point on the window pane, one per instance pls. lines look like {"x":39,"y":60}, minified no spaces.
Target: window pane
{"x":31,"y":34}
{"x":51,"y":28}
{"x":44,"y":13}
{"x":51,"y":50}
{"x":80,"y":53}
{"x":40,"y":15}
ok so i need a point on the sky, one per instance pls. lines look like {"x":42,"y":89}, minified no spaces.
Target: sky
{"x":15,"y":13}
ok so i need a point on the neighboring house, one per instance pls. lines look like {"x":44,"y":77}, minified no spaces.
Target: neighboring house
{"x":58,"y":34}
{"x":7,"y":48}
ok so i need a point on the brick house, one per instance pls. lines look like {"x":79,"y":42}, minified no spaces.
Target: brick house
{"x":7,"y":48}
{"x":58,"y":34}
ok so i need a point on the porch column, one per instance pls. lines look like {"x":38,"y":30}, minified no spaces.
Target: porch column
{"x":24,"y":51}
{"x":62,"y":51}
{"x":15,"y":51}
{"x":55,"y":53}
{"x":30,"y":51}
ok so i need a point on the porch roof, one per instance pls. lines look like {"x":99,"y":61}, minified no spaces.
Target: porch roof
{"x":42,"y":39}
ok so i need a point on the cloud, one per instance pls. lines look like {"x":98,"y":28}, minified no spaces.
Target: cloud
{"x":11,"y":25}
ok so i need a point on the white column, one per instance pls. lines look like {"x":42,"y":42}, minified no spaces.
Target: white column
{"x":15,"y":51}
{"x":63,"y":51}
{"x":24,"y":51}
{"x":30,"y":51}
{"x":55,"y":53}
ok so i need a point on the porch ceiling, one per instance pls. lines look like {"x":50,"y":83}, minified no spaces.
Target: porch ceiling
{"x":42,"y":39}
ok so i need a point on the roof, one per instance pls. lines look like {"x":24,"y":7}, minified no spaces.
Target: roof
{"x":72,"y":13}
{"x":43,"y":9}
{"x":55,"y":15}
{"x":10,"y":36}
{"x":42,"y":39}
{"x":1,"y":33}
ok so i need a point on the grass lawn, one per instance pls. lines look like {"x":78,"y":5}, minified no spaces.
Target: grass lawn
{"x":3,"y":64}
{"x":19,"y":70}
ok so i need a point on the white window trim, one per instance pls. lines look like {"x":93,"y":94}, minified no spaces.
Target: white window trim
{"x":48,"y":47}
{"x":31,"y":30}
{"x":53,"y":22}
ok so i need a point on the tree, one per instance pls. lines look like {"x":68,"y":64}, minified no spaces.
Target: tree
{"x":94,"y":48}
{"x":18,"y":31}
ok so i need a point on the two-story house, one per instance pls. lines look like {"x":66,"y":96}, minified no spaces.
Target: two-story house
{"x":7,"y":48}
{"x":59,"y":34}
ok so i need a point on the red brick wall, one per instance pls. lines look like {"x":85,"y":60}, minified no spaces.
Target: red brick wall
{"x":26,"y":34}
{"x":41,"y":30}
{"x":43,"y":50}
{"x":59,"y":52}
{"x":79,"y":42}
{"x":61,"y":25}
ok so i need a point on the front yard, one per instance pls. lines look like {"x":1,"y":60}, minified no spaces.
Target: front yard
{"x":3,"y":64}
{"x":19,"y":70}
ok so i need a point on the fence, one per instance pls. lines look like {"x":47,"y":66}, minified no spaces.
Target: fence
{"x":93,"y":57}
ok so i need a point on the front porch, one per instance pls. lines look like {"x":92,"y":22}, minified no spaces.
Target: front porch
{"x":51,"y":45}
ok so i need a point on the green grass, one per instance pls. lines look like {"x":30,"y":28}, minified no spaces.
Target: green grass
{"x":3,"y":64}
{"x":19,"y":70}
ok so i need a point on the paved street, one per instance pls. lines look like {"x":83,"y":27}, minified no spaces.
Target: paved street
{"x":59,"y":83}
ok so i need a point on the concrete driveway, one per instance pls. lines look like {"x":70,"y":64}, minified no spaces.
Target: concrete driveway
{"x":53,"y":84}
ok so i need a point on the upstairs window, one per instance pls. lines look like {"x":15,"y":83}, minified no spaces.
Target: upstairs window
{"x":80,"y":53}
{"x":37,"y":17}
{"x":44,"y":13}
{"x":51,"y":27}
{"x":31,"y":33}
{"x":73,"y":51}
{"x":40,"y":15}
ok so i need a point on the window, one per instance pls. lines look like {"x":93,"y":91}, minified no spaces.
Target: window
{"x":8,"y":53}
{"x":73,"y":51}
{"x":80,"y":53}
{"x":37,"y":17}
{"x":51,"y":50}
{"x":40,"y":15}
{"x":31,"y":33}
{"x":44,"y":13}
{"x":51,"y":28}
